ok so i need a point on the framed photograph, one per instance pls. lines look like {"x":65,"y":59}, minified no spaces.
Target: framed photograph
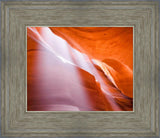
{"x":80,"y":68}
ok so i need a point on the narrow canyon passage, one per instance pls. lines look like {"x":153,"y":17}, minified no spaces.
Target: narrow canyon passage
{"x":79,"y":68}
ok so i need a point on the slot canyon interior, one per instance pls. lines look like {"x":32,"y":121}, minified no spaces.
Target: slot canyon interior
{"x":79,"y":68}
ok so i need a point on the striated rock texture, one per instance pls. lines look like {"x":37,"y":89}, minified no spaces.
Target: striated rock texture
{"x":80,"y":69}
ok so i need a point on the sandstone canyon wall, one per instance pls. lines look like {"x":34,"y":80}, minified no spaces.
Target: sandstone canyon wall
{"x":79,"y":68}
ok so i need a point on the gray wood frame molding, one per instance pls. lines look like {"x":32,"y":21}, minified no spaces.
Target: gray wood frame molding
{"x":143,"y":121}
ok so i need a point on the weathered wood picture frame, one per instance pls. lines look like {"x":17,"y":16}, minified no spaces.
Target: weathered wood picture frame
{"x":143,"y":121}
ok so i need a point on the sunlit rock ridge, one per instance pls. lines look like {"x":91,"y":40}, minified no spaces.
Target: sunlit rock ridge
{"x":79,"y":68}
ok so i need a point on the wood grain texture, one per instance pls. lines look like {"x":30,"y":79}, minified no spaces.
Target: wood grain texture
{"x":17,"y":122}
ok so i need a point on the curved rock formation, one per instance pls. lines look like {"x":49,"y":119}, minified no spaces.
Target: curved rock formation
{"x":79,"y":69}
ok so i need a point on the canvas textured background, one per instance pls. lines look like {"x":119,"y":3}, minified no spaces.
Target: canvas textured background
{"x":90,"y":0}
